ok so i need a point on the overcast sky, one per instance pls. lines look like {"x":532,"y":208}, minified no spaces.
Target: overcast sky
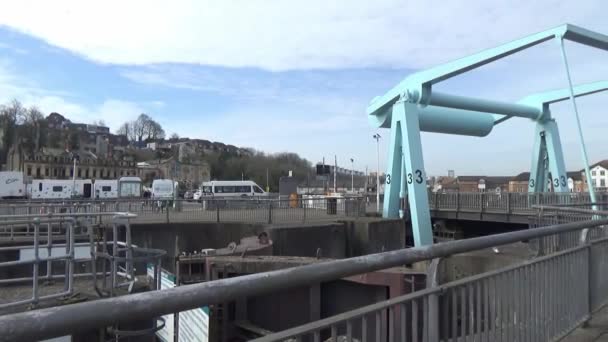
{"x":297,"y":75}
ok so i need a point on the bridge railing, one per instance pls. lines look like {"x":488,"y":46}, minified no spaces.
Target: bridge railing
{"x":251,"y":210}
{"x":540,"y":299}
{"x":505,"y":202}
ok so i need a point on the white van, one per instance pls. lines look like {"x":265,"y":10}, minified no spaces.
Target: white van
{"x":163,"y":189}
{"x":12,"y":185}
{"x":106,"y":188}
{"x":60,"y":188}
{"x":232,"y":189}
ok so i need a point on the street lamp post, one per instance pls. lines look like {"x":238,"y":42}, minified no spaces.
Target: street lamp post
{"x":352,"y":175}
{"x":377,"y":137}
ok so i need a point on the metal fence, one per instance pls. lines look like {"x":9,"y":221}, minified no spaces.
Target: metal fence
{"x":254,"y":210}
{"x":541,"y":299}
{"x":70,"y":240}
{"x":504,"y":202}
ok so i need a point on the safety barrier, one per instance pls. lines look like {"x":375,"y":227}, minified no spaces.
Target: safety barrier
{"x":251,"y":210}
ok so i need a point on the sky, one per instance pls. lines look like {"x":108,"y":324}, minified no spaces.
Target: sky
{"x":297,"y":76}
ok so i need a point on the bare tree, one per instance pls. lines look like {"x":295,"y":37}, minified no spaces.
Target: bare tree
{"x":174,"y":136}
{"x":99,"y":122}
{"x":142,"y":129}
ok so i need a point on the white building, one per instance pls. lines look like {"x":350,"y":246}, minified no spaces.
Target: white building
{"x":599,"y":174}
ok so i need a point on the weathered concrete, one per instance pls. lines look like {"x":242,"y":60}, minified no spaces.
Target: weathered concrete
{"x":372,"y":235}
{"x":305,"y":240}
{"x":596,"y":330}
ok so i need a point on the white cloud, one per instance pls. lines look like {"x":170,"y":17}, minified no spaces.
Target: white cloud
{"x":113,"y":111}
{"x":280,"y":35}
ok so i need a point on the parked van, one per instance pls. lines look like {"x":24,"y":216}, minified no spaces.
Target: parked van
{"x":12,"y":185}
{"x":232,"y":189}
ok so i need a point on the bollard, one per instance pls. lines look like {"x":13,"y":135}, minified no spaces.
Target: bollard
{"x":217,"y":208}
{"x":269,"y":212}
{"x":167,"y":210}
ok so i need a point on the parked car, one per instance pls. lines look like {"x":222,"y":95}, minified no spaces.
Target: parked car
{"x":188,"y":195}
{"x":197,"y":195}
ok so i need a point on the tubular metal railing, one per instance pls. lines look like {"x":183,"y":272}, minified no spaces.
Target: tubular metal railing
{"x":540,"y":299}
{"x":48,"y":259}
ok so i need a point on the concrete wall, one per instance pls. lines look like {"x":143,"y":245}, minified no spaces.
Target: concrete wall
{"x":189,"y":237}
{"x":306,"y":239}
{"x":374,"y":236}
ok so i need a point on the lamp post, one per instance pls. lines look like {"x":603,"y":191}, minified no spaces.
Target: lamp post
{"x":352,"y":175}
{"x":377,"y":137}
{"x":75,"y":157}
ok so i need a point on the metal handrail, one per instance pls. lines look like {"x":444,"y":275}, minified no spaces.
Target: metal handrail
{"x":65,"y":320}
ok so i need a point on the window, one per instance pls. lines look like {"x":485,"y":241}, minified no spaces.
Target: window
{"x":224,"y":189}
{"x":57,"y":188}
{"x":243,"y":188}
{"x":122,"y":173}
{"x":258,"y":190}
{"x":55,"y":172}
{"x":106,"y":188}
{"x":40,"y":186}
{"x":602,"y":173}
{"x":602,"y":183}
{"x":207,"y":189}
{"x":46,"y":171}
{"x":37,"y":172}
{"x":94,"y":173}
{"x":114,"y":174}
{"x":593,"y":173}
{"x":29,"y":171}
{"x":79,"y":173}
{"x":86,"y":173}
{"x":71,"y":172}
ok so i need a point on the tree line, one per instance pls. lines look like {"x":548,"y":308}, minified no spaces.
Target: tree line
{"x":23,"y":125}
{"x":257,"y":165}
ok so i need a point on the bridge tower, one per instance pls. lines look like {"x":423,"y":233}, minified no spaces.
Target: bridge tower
{"x":413,"y":106}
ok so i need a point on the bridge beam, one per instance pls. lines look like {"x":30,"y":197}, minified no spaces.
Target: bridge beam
{"x":405,"y":153}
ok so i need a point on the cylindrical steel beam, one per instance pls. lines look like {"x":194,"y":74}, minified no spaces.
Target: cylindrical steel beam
{"x":68,"y":319}
{"x":486,"y":106}
{"x":444,"y":120}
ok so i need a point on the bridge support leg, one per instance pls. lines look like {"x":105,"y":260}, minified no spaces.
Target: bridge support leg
{"x":547,"y":156}
{"x":406,"y":148}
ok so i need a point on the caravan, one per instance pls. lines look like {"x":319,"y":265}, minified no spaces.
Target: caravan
{"x":12,"y":185}
{"x":106,"y":188}
{"x":60,"y":189}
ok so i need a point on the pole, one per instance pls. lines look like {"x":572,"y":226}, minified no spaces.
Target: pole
{"x":74,"y":178}
{"x":267,"y":188}
{"x":352,"y":175}
{"x":335,"y":173}
{"x":377,"y":137}
{"x":578,"y":124}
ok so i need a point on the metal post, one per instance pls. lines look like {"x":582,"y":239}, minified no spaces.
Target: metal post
{"x":167,"y":209}
{"x":270,"y":212}
{"x":377,"y":137}
{"x":352,"y":175}
{"x":217,"y":210}
{"x":508,"y":202}
{"x":578,"y":122}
